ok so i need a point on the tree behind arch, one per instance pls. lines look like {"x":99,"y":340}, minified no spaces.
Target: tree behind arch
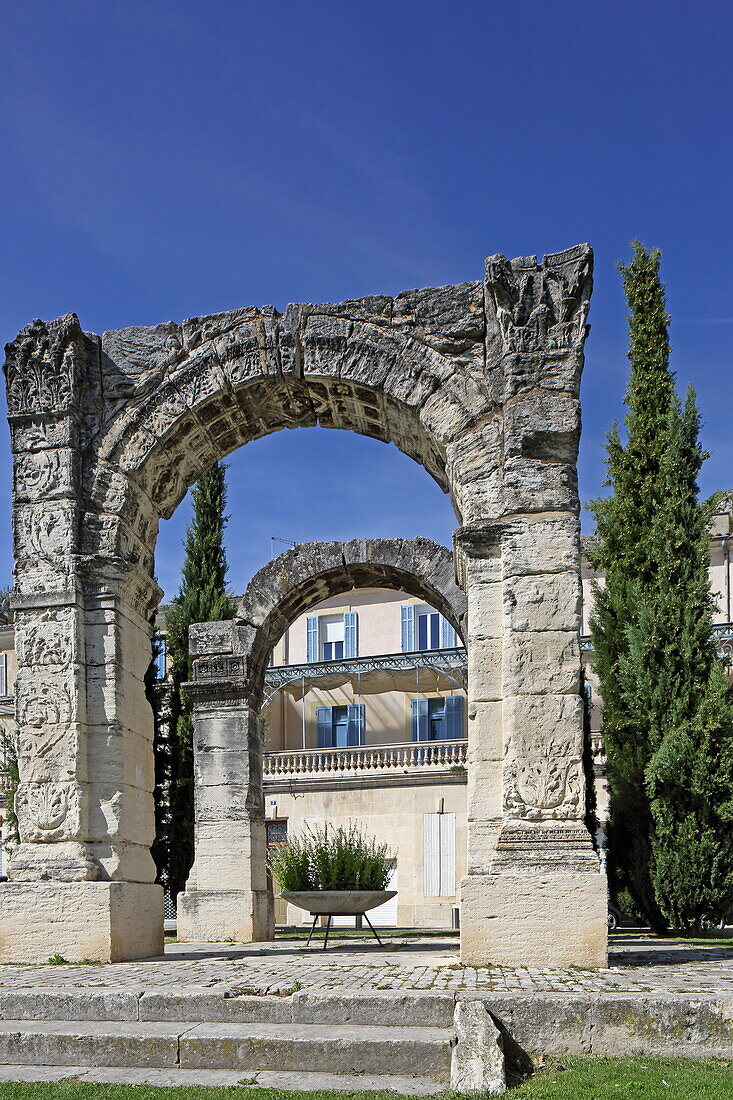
{"x":667,"y":722}
{"x":202,"y":597}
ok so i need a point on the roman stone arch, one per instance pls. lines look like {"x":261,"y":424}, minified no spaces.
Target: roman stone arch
{"x":479,"y":383}
{"x":226,"y":895}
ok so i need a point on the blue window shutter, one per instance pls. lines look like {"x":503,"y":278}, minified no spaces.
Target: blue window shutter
{"x":159,"y":648}
{"x":351,"y":634}
{"x":453,"y":724}
{"x":447,"y":634}
{"x":356,"y":714}
{"x":312,"y":639}
{"x":408,"y":628}
{"x":420,"y":725}
{"x":324,"y":733}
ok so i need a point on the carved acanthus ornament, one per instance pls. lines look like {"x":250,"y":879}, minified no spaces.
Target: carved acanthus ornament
{"x":542,"y":308}
{"x":40,"y":366}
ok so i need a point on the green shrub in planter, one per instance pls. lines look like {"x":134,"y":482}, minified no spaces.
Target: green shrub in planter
{"x":326,"y":858}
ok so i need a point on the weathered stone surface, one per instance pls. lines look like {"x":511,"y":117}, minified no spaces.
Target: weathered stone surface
{"x":105,"y":921}
{"x":479,"y":383}
{"x":578,"y":904}
{"x":349,"y":1048}
{"x":477,"y":1061}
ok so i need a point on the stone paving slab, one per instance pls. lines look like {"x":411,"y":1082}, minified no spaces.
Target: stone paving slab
{"x":637,"y":964}
{"x":266,"y":1079}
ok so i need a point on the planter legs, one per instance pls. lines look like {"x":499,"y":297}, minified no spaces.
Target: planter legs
{"x":313,"y":928}
{"x":366,"y":918}
{"x":328,"y":929}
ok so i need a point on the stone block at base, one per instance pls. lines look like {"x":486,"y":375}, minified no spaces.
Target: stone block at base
{"x":208,"y":916}
{"x":534,"y":918}
{"x":104,"y":921}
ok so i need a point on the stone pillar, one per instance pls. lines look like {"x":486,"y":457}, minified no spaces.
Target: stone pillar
{"x":82,"y":878}
{"x":534,"y":894}
{"x":227,"y":896}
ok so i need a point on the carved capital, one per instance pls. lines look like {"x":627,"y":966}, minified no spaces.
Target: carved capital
{"x":540,"y":308}
{"x":42,"y":367}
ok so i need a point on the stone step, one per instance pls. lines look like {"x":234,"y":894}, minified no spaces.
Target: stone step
{"x":294,"y":1081}
{"x":426,"y":1008}
{"x":245,"y":1047}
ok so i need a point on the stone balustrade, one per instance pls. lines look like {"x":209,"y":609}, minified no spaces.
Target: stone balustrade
{"x":414,"y":757}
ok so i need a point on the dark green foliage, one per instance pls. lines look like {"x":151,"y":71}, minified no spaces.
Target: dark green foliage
{"x":689,"y":778}
{"x":202,"y":598}
{"x":11,"y":780}
{"x":6,"y":611}
{"x":591,"y":816}
{"x":623,"y":524}
{"x":667,"y":717}
{"x":324,"y":858}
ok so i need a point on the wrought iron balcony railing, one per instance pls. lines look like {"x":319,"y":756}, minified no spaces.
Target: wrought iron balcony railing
{"x":415,"y":757}
{"x":722,"y":632}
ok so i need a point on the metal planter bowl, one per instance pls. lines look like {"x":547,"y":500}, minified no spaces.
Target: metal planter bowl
{"x":337,"y":903}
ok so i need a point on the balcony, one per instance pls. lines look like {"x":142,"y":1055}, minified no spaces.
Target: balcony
{"x":722,"y":632}
{"x":366,"y":766}
{"x":425,"y":670}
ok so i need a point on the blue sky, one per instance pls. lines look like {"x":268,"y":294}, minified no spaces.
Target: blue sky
{"x":167,"y":159}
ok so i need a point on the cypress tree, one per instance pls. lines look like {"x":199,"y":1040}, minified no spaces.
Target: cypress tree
{"x":667,"y":714}
{"x":689,"y":778}
{"x":623,"y":522}
{"x":202,"y":597}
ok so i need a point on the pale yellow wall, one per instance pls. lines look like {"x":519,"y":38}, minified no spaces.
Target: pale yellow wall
{"x":380,"y":625}
{"x":379,"y":633}
{"x":394,"y":815}
{"x":387,"y":715}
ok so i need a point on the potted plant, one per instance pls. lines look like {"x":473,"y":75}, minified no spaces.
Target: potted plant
{"x":330,"y":872}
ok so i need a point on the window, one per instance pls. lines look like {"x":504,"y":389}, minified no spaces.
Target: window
{"x":340,"y":727}
{"x":423,"y":629}
{"x":159,"y":656}
{"x":437,"y":719}
{"x":428,"y":629}
{"x":277,"y":832}
{"x":3,"y":675}
{"x":439,"y":855}
{"x":332,"y":637}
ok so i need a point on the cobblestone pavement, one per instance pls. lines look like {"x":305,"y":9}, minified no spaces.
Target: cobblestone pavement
{"x":637,"y":964}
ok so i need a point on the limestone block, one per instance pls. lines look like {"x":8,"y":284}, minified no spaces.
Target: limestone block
{"x":541,"y":1023}
{"x":485,"y":790}
{"x":221,"y":804}
{"x":543,"y":720}
{"x":218,"y":768}
{"x":121,"y":811}
{"x":543,"y":777}
{"x":548,"y":601}
{"x":541,"y":661}
{"x":207,"y":639}
{"x":477,"y":1059}
{"x":122,"y":861}
{"x":532,"y":486}
{"x":482,"y":840}
{"x":485,"y":731}
{"x":485,"y":669}
{"x":542,"y":426}
{"x":242,"y":916}
{"x":541,"y":544}
{"x":221,"y":730}
{"x":485,"y":602}
{"x":534,"y":918}
{"x":107,"y":921}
